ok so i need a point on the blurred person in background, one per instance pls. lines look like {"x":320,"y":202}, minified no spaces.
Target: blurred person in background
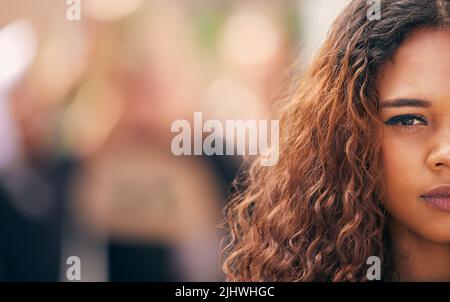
{"x":92,"y":113}
{"x":34,"y":177}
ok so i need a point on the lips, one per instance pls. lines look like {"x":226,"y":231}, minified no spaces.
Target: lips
{"x":438,"y":198}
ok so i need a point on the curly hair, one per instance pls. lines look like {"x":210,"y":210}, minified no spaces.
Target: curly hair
{"x":318,"y":214}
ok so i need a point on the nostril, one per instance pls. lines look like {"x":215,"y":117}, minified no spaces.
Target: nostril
{"x":440,"y":164}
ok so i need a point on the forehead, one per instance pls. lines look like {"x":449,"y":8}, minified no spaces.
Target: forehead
{"x":419,"y":68}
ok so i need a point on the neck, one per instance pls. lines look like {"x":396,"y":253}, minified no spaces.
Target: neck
{"x":417,"y":259}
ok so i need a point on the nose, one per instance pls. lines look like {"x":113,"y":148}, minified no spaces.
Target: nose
{"x":439,"y":158}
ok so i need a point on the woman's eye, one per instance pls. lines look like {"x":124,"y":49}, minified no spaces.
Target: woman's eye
{"x":406,"y":120}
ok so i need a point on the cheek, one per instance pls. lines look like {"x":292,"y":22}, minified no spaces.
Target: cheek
{"x":406,"y":176}
{"x":403,"y":168}
{"x":402,"y":180}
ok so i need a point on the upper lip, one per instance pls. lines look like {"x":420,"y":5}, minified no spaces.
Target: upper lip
{"x":438,"y":192}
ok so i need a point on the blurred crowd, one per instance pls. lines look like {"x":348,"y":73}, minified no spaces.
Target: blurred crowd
{"x":85,"y":113}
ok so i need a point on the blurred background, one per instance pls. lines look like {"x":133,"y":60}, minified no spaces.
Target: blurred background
{"x":86,"y":107}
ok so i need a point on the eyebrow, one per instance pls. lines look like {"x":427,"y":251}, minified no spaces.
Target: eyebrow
{"x":405,"y":103}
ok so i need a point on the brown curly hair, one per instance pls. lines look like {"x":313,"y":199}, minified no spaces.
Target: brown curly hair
{"x":318,"y":214}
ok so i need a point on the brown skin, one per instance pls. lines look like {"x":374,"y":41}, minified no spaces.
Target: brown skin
{"x":417,"y":158}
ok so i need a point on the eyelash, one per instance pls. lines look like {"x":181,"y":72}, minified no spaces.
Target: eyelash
{"x":394,"y":121}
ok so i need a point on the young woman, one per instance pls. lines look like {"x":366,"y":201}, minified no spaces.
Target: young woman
{"x":364,"y":166}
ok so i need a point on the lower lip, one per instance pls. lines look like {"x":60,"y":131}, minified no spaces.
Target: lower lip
{"x":440,"y":203}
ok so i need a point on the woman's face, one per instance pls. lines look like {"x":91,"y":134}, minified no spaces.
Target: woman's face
{"x":414,"y":90}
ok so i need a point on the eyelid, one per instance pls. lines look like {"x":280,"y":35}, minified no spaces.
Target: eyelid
{"x":393,"y":121}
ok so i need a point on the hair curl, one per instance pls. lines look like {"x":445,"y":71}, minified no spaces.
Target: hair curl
{"x":318,"y":215}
